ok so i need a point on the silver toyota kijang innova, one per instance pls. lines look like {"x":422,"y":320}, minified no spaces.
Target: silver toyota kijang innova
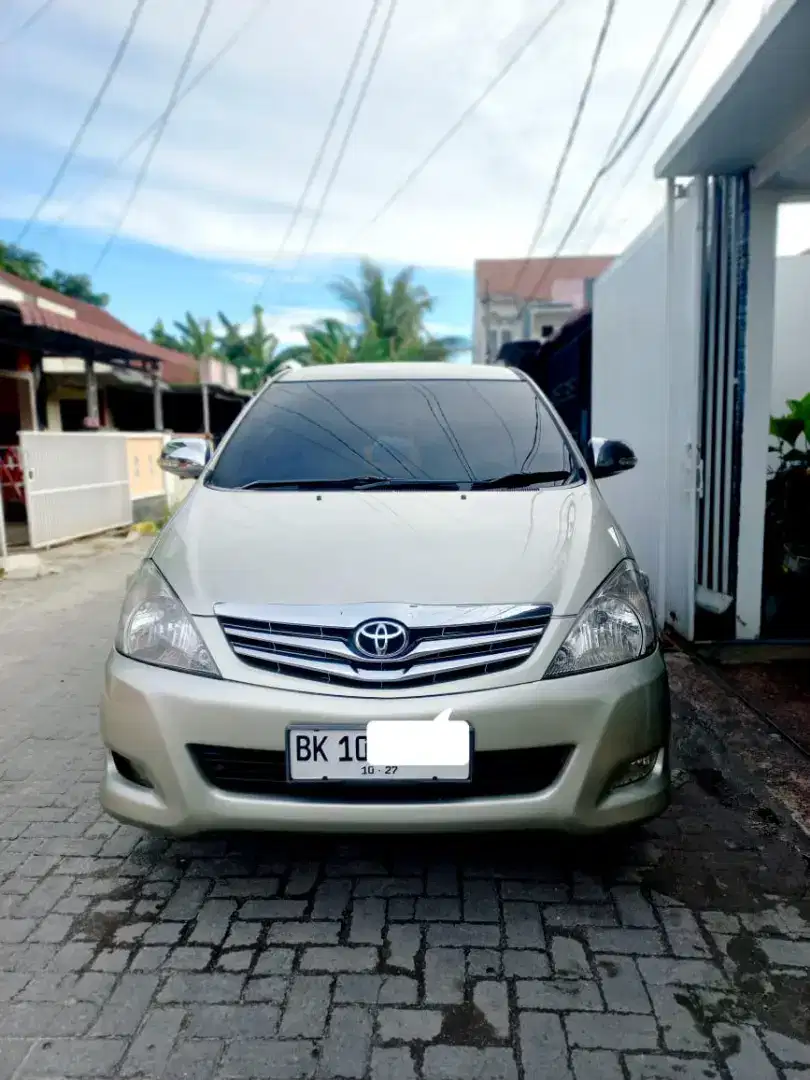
{"x":370,"y":548}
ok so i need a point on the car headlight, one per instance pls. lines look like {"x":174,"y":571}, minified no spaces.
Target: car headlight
{"x":615,"y":627}
{"x":156,"y":629}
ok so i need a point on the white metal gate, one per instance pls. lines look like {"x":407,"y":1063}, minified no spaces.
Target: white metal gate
{"x":721,"y":394}
{"x":76,"y":484}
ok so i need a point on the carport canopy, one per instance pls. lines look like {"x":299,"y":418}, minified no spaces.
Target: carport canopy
{"x":757,"y":116}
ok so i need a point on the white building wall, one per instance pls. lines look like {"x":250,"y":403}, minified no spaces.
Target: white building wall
{"x":791,"y":359}
{"x":642,"y":396}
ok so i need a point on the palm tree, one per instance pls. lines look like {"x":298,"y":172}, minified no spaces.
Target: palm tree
{"x":253,"y":352}
{"x":388,"y":324}
{"x":196,"y":336}
{"x":160,"y":336}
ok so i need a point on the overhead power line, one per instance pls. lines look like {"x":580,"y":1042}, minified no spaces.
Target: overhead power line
{"x":350,"y":128}
{"x":159,"y":131}
{"x":611,"y":160}
{"x":453,"y":130}
{"x":35,"y":16}
{"x":647,"y":75}
{"x":95,"y":104}
{"x":354,"y":64}
{"x":579,"y":112}
{"x":192,"y":84}
{"x":608,"y":204}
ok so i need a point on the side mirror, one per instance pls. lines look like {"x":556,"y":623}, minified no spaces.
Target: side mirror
{"x":185,"y":458}
{"x":607,"y":457}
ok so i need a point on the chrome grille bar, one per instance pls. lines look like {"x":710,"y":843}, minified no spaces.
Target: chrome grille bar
{"x":444,"y":642}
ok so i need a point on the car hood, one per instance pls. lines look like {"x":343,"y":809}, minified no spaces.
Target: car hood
{"x":549,"y":545}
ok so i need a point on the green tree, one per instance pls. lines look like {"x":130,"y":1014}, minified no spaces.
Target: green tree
{"x":31,"y":266}
{"x":196,"y":336}
{"x":388,"y":323}
{"x":79,"y":286}
{"x":252,"y":351}
{"x":160,"y":336}
{"x":392,"y":313}
{"x":25,"y":264}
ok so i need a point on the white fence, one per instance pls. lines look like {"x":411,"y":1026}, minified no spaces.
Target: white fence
{"x":82,"y":483}
{"x":76,"y":484}
{"x":645,"y":377}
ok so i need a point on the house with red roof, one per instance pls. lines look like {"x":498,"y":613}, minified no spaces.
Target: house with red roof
{"x":529,"y":299}
{"x":69,"y":367}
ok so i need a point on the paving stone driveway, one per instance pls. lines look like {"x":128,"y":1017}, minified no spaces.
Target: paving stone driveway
{"x":684,"y":956}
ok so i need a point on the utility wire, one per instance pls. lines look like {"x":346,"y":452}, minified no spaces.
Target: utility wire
{"x":88,"y":119}
{"x":683,"y":74}
{"x":206,"y":68}
{"x":327,"y":138}
{"x":32,"y":18}
{"x":611,"y":160}
{"x":649,"y":71}
{"x":159,"y":132}
{"x":468,"y":112}
{"x":350,"y":129}
{"x":579,"y":112}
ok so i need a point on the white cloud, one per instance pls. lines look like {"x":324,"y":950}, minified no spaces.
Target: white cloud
{"x":440,"y":329}
{"x":235,"y":155}
{"x":286,"y":324}
{"x":242,"y":277}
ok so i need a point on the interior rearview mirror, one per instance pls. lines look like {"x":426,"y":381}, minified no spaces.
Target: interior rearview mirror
{"x":185,"y":458}
{"x":607,"y":457}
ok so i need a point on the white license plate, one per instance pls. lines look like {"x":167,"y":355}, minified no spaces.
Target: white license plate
{"x":318,"y":754}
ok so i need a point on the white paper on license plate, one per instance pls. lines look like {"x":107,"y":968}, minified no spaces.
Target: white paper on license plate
{"x":439,"y":743}
{"x":323,"y":754}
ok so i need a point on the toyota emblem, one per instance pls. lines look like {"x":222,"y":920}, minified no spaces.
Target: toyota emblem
{"x":380,"y":639}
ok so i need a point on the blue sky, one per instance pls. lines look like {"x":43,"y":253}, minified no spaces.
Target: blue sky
{"x":146,"y":281}
{"x":230,"y":167}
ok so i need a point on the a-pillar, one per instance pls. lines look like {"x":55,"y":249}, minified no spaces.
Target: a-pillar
{"x":759,"y":339}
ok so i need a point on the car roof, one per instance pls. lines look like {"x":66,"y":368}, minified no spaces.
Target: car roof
{"x":339,"y":372}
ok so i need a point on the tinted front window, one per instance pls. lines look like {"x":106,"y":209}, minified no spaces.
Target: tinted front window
{"x":429,"y":431}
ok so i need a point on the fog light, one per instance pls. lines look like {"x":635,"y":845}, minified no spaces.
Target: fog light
{"x":130,"y":771}
{"x":635,"y":770}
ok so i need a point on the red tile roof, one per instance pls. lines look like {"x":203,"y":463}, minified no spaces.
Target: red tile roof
{"x":497,"y":276}
{"x":94,"y":324}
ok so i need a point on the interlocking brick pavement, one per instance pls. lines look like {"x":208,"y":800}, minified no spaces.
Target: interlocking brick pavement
{"x":683,"y":955}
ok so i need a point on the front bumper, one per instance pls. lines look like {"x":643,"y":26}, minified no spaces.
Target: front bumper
{"x":150,"y":716}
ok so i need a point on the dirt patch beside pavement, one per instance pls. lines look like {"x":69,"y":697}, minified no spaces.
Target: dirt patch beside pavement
{"x":782,"y":771}
{"x":778,"y":688}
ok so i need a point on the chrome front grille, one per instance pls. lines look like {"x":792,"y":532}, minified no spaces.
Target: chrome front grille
{"x":443,"y":643}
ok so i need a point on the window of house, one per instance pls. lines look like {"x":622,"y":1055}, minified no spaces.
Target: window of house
{"x":547,"y":330}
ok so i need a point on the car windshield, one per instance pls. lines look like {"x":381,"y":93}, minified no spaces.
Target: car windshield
{"x":378,"y":433}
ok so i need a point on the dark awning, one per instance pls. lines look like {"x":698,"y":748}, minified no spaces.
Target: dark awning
{"x":56,"y":334}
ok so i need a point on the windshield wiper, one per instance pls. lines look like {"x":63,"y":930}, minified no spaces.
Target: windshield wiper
{"x":347,"y":483}
{"x":521,"y":479}
{"x":390,"y":484}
